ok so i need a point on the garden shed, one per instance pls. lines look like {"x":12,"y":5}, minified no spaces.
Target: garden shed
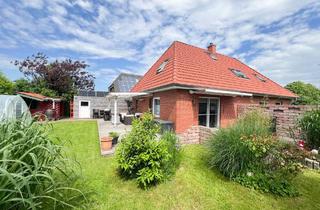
{"x":12,"y":107}
{"x":40,"y":104}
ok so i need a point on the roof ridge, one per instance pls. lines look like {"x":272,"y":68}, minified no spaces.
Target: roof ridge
{"x":131,"y":74}
{"x":190,"y":45}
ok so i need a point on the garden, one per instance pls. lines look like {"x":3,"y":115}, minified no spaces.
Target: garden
{"x":58,"y":165}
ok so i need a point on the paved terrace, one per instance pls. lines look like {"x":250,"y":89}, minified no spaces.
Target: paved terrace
{"x":105,"y":127}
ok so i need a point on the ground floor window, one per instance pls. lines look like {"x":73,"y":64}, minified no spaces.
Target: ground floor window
{"x":208,"y":114}
{"x":156,"y":107}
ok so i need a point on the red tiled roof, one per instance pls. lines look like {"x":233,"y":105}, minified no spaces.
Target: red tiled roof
{"x":35,"y":96}
{"x":192,"y":66}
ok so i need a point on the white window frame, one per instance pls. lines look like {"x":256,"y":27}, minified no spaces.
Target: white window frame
{"x":153,"y":106}
{"x":208,"y":111}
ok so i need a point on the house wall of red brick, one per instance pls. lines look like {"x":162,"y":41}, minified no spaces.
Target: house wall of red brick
{"x":181,"y":107}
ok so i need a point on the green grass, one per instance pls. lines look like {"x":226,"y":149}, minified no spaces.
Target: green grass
{"x":194,"y":186}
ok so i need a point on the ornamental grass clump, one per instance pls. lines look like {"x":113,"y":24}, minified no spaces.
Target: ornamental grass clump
{"x":145,"y":156}
{"x":33,"y":172}
{"x":248,"y":153}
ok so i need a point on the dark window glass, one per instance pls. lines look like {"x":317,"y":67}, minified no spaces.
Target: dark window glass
{"x":239,"y":73}
{"x":202,"y":107}
{"x":84,"y":103}
{"x":162,"y":65}
{"x":213,"y":121}
{"x":203,"y":120}
{"x":33,"y":104}
{"x":260,"y":78}
{"x":213,"y":106}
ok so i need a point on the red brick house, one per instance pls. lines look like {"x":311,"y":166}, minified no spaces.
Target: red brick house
{"x":198,"y":88}
{"x":39,"y":104}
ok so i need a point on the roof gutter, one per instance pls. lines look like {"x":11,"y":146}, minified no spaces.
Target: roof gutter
{"x":195,"y":90}
{"x":173,"y":87}
{"x":125,"y":94}
{"x":220,"y":92}
{"x":200,"y":90}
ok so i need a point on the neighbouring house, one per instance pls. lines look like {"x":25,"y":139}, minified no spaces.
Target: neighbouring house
{"x":124,"y":82}
{"x":199,"y":89}
{"x":86,"y":101}
{"x":39,"y":104}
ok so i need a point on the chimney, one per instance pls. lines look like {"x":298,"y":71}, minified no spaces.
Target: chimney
{"x":212,"y":48}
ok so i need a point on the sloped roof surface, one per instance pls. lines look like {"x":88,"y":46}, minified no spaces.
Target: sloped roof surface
{"x":36,"y":96}
{"x":33,"y":95}
{"x":193,"y":66}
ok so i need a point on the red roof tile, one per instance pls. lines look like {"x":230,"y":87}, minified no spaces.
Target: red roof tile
{"x":192,"y":66}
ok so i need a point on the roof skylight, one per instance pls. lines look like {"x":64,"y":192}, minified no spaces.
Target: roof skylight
{"x":162,"y":65}
{"x":239,"y":73}
{"x":260,"y":78}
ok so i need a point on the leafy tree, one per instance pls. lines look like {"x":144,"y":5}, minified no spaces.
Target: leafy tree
{"x":62,"y":77}
{"x":308,"y":93}
{"x":23,"y":85}
{"x":6,"y":86}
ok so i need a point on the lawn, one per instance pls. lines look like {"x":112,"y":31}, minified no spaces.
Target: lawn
{"x":194,"y":186}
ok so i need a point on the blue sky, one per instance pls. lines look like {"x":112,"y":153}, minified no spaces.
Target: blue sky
{"x":279,"y":38}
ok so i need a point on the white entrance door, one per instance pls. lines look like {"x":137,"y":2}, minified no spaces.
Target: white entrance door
{"x":84,"y":109}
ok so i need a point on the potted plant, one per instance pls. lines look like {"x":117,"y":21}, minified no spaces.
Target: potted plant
{"x":106,"y":143}
{"x":114,"y":136}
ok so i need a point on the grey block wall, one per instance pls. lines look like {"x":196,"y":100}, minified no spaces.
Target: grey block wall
{"x":98,"y":103}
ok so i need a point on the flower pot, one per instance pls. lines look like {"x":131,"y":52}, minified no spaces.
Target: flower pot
{"x":106,"y":143}
{"x":115,"y":140}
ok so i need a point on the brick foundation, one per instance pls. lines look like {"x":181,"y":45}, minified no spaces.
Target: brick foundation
{"x":196,"y":135}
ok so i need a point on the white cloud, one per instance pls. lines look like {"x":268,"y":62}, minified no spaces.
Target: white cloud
{"x":84,"y":4}
{"x":295,"y":58}
{"x":36,"y":4}
{"x":141,"y":30}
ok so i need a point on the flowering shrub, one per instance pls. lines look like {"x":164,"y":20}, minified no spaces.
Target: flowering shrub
{"x":248,"y":153}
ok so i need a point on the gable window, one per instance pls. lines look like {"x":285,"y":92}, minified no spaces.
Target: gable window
{"x":239,"y":73}
{"x":156,"y":107}
{"x":259,"y":77}
{"x":279,"y":103}
{"x":162,"y":65}
{"x":209,"y":112}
